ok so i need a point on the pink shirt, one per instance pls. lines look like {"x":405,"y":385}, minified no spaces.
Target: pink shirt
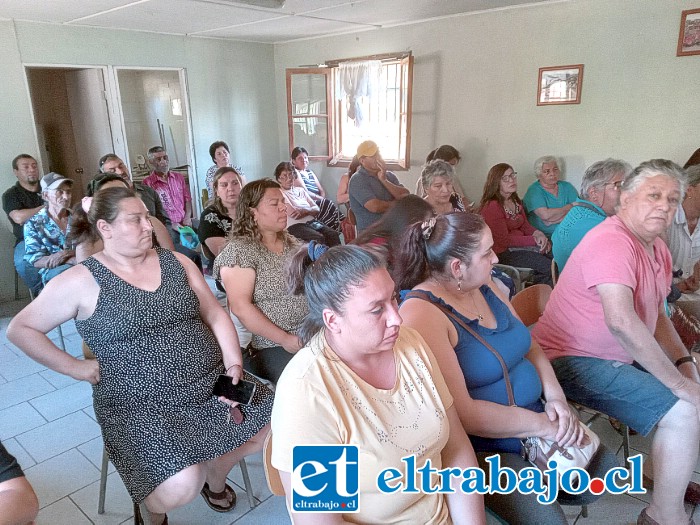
{"x":173,"y":192}
{"x":508,"y":232}
{"x":573,"y":323}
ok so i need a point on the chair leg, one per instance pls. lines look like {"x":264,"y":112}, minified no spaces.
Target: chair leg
{"x":625,"y":442}
{"x":103,"y":482}
{"x":246,"y":482}
{"x":145,"y":515}
{"x":60,"y":337}
{"x":16,"y":285}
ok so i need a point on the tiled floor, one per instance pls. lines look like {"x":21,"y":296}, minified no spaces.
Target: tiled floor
{"x":47,"y":422}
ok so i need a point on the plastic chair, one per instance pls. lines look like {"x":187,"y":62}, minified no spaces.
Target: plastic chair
{"x":272,"y":475}
{"x":555,"y":272}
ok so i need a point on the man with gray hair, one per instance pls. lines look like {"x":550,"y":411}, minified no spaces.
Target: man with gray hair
{"x":548,"y":199}
{"x":600,"y":194}
{"x":611,"y":344}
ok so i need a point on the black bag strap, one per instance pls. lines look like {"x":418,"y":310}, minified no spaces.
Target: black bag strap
{"x":420,"y":294}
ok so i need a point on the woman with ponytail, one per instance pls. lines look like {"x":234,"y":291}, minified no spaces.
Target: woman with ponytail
{"x":363,"y":379}
{"x":455,"y":306}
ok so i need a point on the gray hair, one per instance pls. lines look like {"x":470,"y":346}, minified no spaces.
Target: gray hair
{"x":436,"y":168}
{"x":600,"y":173}
{"x":153,"y":151}
{"x":652,"y":168}
{"x":693,"y":174}
{"x":547,"y":159}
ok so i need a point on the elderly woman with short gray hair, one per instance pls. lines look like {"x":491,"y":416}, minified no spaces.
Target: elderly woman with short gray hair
{"x":548,"y":199}
{"x":600,"y":194}
{"x":437,"y":180}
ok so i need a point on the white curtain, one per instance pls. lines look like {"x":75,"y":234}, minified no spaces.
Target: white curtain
{"x":355,"y":80}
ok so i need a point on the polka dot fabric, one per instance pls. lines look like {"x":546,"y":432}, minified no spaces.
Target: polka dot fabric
{"x":158,"y":364}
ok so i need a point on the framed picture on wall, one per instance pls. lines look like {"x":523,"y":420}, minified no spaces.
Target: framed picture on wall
{"x":689,"y":35}
{"x":560,"y":85}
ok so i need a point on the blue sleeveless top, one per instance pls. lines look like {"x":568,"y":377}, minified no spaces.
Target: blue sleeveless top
{"x":482,"y":371}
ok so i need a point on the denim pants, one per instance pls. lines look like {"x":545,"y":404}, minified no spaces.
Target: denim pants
{"x":28,"y":273}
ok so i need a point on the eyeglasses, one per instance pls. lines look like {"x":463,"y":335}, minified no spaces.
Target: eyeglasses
{"x":512,"y":176}
{"x":617,"y":184}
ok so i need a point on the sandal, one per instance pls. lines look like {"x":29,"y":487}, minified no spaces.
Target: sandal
{"x":138,"y":519}
{"x":209,"y":495}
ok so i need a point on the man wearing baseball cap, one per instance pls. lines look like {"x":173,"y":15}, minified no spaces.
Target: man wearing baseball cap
{"x":373,"y":189}
{"x":45,"y":232}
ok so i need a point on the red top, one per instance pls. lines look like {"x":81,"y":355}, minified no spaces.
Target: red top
{"x":508,"y":232}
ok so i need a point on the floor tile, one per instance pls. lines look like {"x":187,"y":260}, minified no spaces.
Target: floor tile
{"x":256,"y":473}
{"x":118,"y":503}
{"x":18,"y":419}
{"x":63,"y":511}
{"x":64,"y":401}
{"x":56,"y":379}
{"x":93,"y":451}
{"x":60,"y":476}
{"x":16,"y":392}
{"x":14,"y":366}
{"x":58,"y":436}
{"x":272,"y":511}
{"x":198,"y":513}
{"x":23,"y":458}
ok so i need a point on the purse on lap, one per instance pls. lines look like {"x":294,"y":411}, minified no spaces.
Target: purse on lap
{"x":538,"y":451}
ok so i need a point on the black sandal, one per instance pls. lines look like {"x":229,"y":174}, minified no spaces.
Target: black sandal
{"x":209,"y":495}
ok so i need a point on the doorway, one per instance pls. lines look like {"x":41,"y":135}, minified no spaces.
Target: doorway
{"x":71,"y":120}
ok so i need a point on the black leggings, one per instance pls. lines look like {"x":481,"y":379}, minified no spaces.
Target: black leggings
{"x":266,"y":363}
{"x":524,"y":509}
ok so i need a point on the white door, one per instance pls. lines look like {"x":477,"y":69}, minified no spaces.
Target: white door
{"x":90,"y":118}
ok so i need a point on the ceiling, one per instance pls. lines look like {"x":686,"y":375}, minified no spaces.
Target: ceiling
{"x":238,"y":20}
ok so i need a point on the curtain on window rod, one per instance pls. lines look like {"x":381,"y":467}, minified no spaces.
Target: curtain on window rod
{"x":355,"y":80}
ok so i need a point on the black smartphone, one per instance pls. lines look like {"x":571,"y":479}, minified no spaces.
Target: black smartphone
{"x":242,"y":392}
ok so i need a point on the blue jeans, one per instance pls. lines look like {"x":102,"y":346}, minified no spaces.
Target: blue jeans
{"x":28,"y":273}
{"x":625,"y":392}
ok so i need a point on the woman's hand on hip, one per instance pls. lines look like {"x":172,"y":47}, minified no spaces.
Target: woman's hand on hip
{"x":86,"y":370}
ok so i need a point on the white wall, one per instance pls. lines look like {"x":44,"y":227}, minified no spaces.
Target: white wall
{"x":475,"y":80}
{"x":231,"y":93}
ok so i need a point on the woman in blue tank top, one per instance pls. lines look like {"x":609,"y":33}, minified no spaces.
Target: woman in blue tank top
{"x":447,"y":261}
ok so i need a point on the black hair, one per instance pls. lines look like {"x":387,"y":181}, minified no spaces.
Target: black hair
{"x":328,"y":281}
{"x":424,"y":252}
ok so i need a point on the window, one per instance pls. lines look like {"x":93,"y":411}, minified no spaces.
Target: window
{"x":330,"y":122}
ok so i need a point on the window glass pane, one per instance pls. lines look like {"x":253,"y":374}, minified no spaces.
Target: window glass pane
{"x":312,"y":134}
{"x":309,"y":95}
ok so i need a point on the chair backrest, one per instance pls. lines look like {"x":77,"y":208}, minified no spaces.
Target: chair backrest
{"x":555,"y":272}
{"x":529,"y":304}
{"x":272,"y":475}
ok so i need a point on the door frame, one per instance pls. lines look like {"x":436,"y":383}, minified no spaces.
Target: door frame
{"x":193,"y":180}
{"x":116,"y":115}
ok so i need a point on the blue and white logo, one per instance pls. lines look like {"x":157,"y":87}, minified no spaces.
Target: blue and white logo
{"x":325,"y":478}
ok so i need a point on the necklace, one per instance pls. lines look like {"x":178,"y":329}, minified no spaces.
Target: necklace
{"x":511,"y":214}
{"x":474,"y":311}
{"x":481,"y":317}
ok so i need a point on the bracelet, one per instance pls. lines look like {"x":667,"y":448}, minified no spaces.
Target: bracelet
{"x":686,"y":359}
{"x":230,"y":367}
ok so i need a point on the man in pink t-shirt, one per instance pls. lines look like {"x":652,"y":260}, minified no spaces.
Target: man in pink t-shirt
{"x":611,"y":343}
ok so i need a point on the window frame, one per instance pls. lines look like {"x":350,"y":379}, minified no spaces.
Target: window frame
{"x":334,"y":108}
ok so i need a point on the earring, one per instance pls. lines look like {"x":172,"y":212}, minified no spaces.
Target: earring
{"x":459,"y":284}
